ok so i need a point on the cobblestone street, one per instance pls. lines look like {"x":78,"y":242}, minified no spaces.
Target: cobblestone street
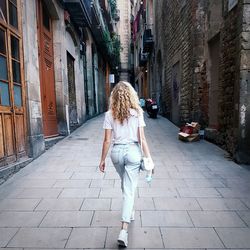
{"x":197,"y":199}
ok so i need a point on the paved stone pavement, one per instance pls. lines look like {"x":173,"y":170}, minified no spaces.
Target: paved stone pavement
{"x":198,"y":199}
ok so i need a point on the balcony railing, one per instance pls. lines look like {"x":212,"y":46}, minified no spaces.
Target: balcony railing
{"x":148,"y":41}
{"x":116,"y":15}
{"x":97,"y":16}
{"x":132,"y":18}
{"x":80,"y":11}
{"x":143,"y":58}
{"x":132,"y":47}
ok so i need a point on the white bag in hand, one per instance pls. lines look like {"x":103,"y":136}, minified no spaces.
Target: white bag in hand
{"x":147,"y":164}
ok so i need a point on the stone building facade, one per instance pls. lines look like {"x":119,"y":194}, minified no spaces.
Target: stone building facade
{"x":61,"y":66}
{"x":199,"y":69}
{"x":142,"y":41}
{"x":124,"y":31}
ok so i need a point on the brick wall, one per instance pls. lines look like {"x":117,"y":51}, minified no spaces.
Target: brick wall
{"x":229,"y":88}
{"x":179,"y":31}
{"x":183,"y":31}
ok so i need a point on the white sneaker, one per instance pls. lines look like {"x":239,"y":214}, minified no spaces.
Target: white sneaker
{"x":123,"y":238}
{"x":132,"y":218}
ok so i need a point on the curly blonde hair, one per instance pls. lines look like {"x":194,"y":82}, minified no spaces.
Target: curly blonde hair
{"x":123,"y":98}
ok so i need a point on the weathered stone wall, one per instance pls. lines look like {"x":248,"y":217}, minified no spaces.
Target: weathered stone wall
{"x":242,"y":152}
{"x":124,"y":33}
{"x":184,"y":33}
{"x":179,"y":32}
{"x":36,"y":144}
{"x":229,"y":75}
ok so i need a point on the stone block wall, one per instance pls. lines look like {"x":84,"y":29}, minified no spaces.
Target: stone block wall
{"x":229,"y":75}
{"x":242,"y":152}
{"x":124,"y":33}
{"x":179,"y":32}
{"x":35,"y":137}
{"x":183,"y":31}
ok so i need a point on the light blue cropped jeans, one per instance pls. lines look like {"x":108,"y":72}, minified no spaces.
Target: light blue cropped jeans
{"x":126,"y":159}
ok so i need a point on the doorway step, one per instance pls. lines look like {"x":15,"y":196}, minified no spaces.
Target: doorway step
{"x":10,"y":169}
{"x":49,"y":142}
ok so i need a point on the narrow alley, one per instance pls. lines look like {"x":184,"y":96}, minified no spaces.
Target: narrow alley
{"x":198,"y":197}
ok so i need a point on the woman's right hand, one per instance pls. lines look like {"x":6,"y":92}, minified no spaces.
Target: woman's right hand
{"x":102,"y":166}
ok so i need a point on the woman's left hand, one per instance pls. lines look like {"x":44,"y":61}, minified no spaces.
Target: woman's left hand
{"x":102,"y":166}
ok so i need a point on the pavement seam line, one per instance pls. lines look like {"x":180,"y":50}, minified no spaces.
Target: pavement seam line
{"x":80,"y":209}
{"x":68,"y":237}
{"x":19,"y":228}
{"x":190,"y":218}
{"x":237,"y":212}
{"x":219,"y":237}
{"x":43,"y":219}
{"x":70,"y":178}
{"x":106,"y":236}
{"x":241,"y":199}
{"x":60,"y":192}
{"x":221,"y":196}
{"x":162,"y":237}
{"x":153,"y":199}
{"x":39,"y":202}
{"x":92,"y":218}
{"x":199,"y":204}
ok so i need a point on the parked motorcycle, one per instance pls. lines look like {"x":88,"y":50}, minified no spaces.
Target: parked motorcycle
{"x":151,"y":108}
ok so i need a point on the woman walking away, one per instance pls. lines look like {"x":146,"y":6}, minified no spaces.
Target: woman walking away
{"x":124,"y":122}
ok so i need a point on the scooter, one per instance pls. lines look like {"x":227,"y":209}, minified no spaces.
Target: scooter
{"x":152,"y":108}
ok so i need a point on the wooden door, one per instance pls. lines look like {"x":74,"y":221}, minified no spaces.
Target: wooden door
{"x":12,"y":100}
{"x":47,"y":77}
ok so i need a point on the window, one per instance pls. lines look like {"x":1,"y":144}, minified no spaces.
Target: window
{"x":16,"y":71}
{"x":232,"y":4}
{"x":14,"y":47}
{"x":2,"y":42}
{"x":4,"y":94}
{"x":46,"y":18}
{"x":3,"y":9}
{"x":3,"y":68}
{"x":10,"y":85}
{"x":17,"y":95}
{"x":16,"y":74}
{"x":13,"y":19}
{"x":4,"y":85}
{"x":3,"y":59}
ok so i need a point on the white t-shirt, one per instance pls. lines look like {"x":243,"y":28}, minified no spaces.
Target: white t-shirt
{"x":126,"y":132}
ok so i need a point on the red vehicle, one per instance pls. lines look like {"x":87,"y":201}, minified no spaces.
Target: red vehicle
{"x":152,"y":108}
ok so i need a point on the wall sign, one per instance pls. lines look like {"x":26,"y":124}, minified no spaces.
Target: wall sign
{"x":111,"y":78}
{"x":232,"y":4}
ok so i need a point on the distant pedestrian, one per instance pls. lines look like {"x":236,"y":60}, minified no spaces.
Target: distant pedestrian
{"x":124,"y":122}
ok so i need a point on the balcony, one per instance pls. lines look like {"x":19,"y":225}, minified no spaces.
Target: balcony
{"x":107,"y":11}
{"x":143,"y":58}
{"x":148,"y":41}
{"x":132,"y":18}
{"x":116,"y":15}
{"x":80,"y":11}
{"x":132,"y":47}
{"x":97,"y":15}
